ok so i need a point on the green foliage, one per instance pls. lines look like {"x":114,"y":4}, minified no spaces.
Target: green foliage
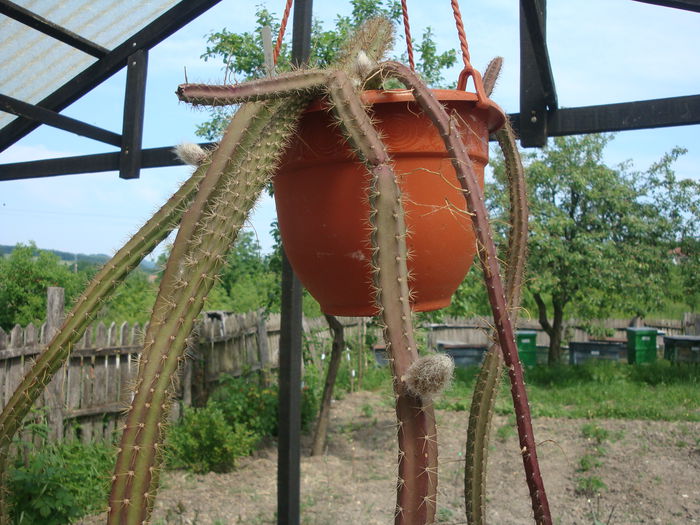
{"x":589,"y":486}
{"x":431,"y":64}
{"x":311,"y":391}
{"x":58,"y":483}
{"x":595,"y":432}
{"x":244,"y":402}
{"x":203,"y":441}
{"x":471,"y":298}
{"x":24,"y":277}
{"x":588,"y":462}
{"x":133,"y":300}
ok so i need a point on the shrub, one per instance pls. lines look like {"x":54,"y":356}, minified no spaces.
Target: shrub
{"x":59,"y":483}
{"x":203,"y":441}
{"x":244,"y":402}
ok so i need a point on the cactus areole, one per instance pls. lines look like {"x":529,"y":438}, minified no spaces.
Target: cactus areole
{"x":323,"y":210}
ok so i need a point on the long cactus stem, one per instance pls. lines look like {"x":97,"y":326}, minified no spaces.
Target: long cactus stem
{"x":373,"y":39}
{"x":281,"y":86}
{"x":99,"y":290}
{"x":488,"y":379}
{"x":201,"y":248}
{"x":417,"y":479}
{"x":449,"y":131}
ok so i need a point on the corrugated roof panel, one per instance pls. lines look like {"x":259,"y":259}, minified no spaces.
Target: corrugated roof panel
{"x":105,"y":22}
{"x":34,"y":65}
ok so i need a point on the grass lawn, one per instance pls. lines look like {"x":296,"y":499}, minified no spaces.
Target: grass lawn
{"x":598,"y":389}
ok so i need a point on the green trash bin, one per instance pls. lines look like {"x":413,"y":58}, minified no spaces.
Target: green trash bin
{"x":527,"y":347}
{"x":641,"y":345}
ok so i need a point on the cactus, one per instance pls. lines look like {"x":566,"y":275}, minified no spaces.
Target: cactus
{"x":97,"y":292}
{"x":487,"y":255}
{"x":486,"y":387}
{"x":207,"y":231}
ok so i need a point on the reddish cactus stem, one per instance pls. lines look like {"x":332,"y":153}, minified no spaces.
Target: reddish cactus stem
{"x":487,"y":254}
{"x":417,"y":482}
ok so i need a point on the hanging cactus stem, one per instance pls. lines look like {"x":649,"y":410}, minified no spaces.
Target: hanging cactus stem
{"x":449,"y":131}
{"x":488,"y":379}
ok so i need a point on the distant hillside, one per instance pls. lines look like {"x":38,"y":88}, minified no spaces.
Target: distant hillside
{"x":94,"y":258}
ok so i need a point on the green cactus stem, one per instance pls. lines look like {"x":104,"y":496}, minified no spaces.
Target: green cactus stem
{"x":208,"y":230}
{"x":488,"y":379}
{"x":97,"y":292}
{"x":449,"y":131}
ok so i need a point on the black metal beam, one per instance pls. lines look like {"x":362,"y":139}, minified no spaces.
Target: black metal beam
{"x":31,"y":19}
{"x":96,"y":163}
{"x":625,"y":116}
{"x":56,"y":120}
{"x":643,"y":114}
{"x":301,"y":31}
{"x":535,"y":19}
{"x":289,"y":440}
{"x":533,"y":95}
{"x":134,"y":111}
{"x":161,"y":28}
{"x":687,"y":5}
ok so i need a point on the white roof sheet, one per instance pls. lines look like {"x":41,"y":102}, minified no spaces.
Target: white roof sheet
{"x":33,"y":65}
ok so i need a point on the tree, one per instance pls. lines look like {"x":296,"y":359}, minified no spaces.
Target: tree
{"x":24,"y":277}
{"x":601,"y":238}
{"x":132,"y":301}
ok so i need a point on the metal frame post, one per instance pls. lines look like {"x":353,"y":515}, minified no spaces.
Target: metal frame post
{"x":289,"y":453}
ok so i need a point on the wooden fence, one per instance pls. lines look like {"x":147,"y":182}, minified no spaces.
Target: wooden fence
{"x":88,"y":394}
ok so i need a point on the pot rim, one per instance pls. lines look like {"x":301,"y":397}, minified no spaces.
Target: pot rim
{"x":496,"y":115}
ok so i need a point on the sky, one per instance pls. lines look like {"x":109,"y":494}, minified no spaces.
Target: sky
{"x":602,"y":51}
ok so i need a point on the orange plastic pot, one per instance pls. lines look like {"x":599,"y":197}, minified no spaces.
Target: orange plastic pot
{"x":323,"y":211}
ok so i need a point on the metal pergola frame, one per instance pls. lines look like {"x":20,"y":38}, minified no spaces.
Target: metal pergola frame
{"x":539,"y":117}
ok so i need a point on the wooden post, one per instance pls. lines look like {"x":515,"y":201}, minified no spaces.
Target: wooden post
{"x":55,"y":302}
{"x":263,"y":347}
{"x":54,"y":398}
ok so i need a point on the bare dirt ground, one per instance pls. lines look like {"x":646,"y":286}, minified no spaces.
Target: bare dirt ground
{"x":651,"y":470}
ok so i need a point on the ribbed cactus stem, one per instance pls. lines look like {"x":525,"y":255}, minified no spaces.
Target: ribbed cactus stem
{"x":486,"y":249}
{"x":417,"y":480}
{"x":356,"y":59}
{"x":290,"y":84}
{"x":488,"y":379}
{"x":81,"y":314}
{"x":202,"y":247}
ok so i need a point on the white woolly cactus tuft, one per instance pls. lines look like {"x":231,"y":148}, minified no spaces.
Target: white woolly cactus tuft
{"x":429,"y":375}
{"x":191,"y":153}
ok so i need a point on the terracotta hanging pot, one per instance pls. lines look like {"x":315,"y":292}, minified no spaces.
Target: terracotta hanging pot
{"x":323,"y":210}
